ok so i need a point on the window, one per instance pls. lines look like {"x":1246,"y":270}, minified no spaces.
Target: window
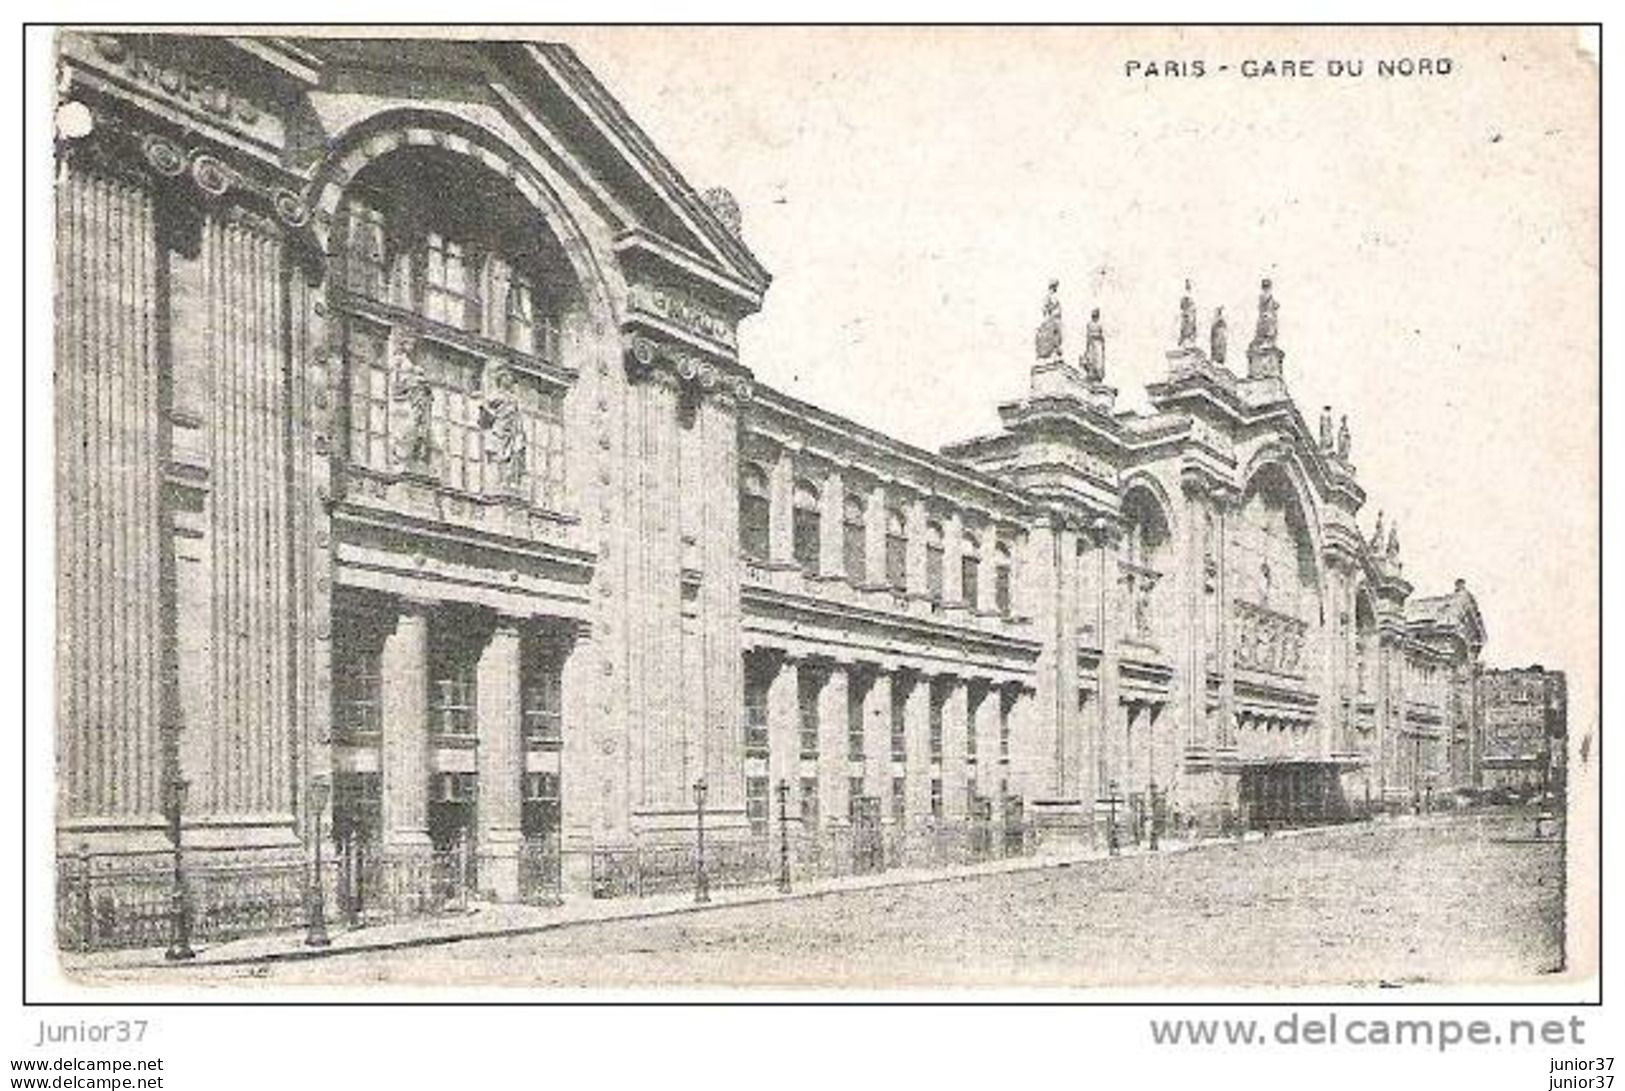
{"x":807,"y":687}
{"x":855,"y":694}
{"x":366,"y":269}
{"x":754,"y":512}
{"x":520,"y":315}
{"x":854,"y":540}
{"x":806,"y":528}
{"x":451,"y":685}
{"x":756,"y":805}
{"x":899,"y":723}
{"x":455,"y":434}
{"x":357,"y":691}
{"x":1001,"y":579}
{"x":970,"y":568}
{"x":541,"y":694}
{"x":938,"y":698}
{"x":539,"y":813}
{"x":756,"y":736}
{"x":367,"y":347}
{"x":854,"y":797}
{"x":933,"y":561}
{"x":899,"y":800}
{"x":809,"y":803}
{"x":896,"y":550}
{"x":446,"y":295}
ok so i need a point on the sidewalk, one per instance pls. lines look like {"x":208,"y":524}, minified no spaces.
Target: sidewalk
{"x":487,"y":920}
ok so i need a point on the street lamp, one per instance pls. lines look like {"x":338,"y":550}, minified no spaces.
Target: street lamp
{"x":1151,"y":794}
{"x":702,"y":882}
{"x":1113,"y":847}
{"x":316,"y":894}
{"x":180,"y":916}
{"x":784,"y":835}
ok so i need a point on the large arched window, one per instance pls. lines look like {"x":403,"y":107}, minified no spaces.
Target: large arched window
{"x":1145,"y":549}
{"x":754,"y":512}
{"x":450,"y":298}
{"x":1274,"y":575}
{"x":855,"y":540}
{"x":806,"y":526}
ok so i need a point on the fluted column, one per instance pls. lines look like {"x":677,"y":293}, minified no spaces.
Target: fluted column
{"x":404,"y":686}
{"x":501,"y":760}
{"x":783,"y":725}
{"x":108,"y":501}
{"x":590,"y":800}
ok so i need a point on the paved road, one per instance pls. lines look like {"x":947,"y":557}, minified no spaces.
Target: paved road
{"x":1360,"y":905}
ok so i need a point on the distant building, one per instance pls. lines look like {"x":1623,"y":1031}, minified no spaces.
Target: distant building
{"x":1524,"y":726}
{"x":414,"y":502}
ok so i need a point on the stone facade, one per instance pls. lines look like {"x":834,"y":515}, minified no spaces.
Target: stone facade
{"x":1524,"y":735}
{"x":414,"y":502}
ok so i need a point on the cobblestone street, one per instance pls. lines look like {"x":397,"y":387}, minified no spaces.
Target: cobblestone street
{"x":1470,"y":900}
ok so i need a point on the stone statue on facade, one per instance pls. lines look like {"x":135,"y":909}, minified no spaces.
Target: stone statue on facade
{"x":1047,"y":341}
{"x":1264,"y":333}
{"x":1094,"y":349}
{"x":1345,"y":441}
{"x":1187,"y":319}
{"x":1376,"y":537}
{"x":1218,"y":336}
{"x":413,"y":396}
{"x":503,"y":422}
{"x":1326,"y":440}
{"x":1393,"y":540}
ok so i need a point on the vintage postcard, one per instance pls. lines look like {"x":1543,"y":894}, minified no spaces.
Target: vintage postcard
{"x":828,"y":508}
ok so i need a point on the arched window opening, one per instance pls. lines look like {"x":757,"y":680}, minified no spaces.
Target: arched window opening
{"x":1002,"y":600}
{"x":933,"y":561}
{"x":755,"y":510}
{"x":970,"y":571}
{"x":854,"y":540}
{"x":1145,"y":546}
{"x":896,"y":550}
{"x":806,"y":526}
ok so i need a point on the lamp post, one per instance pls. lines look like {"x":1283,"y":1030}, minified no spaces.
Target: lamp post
{"x":702,"y":882}
{"x":180,"y":916}
{"x":1151,"y":796}
{"x":315,"y":893}
{"x":783,"y":790}
{"x":1112,"y":845}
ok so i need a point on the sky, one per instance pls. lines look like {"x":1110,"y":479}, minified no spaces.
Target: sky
{"x":1432,"y":240}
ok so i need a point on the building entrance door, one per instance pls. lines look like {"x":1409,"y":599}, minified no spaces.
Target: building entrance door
{"x":868,"y":846}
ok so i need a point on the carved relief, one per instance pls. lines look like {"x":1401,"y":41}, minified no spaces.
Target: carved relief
{"x":1267,"y":640}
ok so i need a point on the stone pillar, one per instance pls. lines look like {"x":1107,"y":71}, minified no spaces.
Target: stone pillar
{"x":953,"y":548}
{"x":784,"y":726}
{"x":501,"y":761}
{"x":831,"y":521}
{"x":832,"y":760}
{"x":403,"y":668}
{"x":587,"y":804}
{"x":877,"y":741}
{"x":917,"y":518}
{"x":955,"y":715}
{"x":781,"y":488}
{"x":874,"y":532}
{"x":917,"y":745}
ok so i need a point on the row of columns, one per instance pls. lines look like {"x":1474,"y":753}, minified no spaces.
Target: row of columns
{"x":499,"y":731}
{"x":963,"y":702}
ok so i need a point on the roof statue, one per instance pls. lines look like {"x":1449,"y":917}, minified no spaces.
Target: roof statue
{"x":1344,"y":440}
{"x":1264,"y":333}
{"x":1393,"y":540}
{"x":1218,"y":336}
{"x":1094,"y":349}
{"x":1326,"y":428}
{"x":1047,"y":341}
{"x":1187,"y":319}
{"x":1376,"y":538}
